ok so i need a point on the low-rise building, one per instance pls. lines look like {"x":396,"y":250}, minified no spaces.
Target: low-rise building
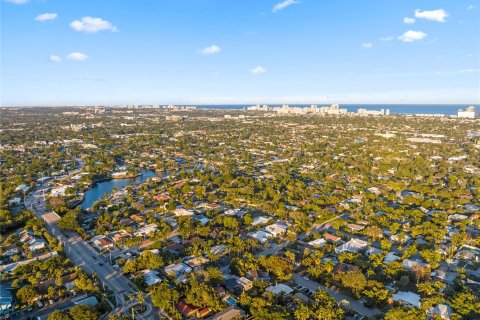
{"x":354,"y":245}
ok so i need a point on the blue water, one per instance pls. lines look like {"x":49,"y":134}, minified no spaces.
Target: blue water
{"x":448,"y":109}
{"x":106,"y":187}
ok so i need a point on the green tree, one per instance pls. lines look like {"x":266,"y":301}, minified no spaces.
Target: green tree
{"x":59,"y":315}
{"x":302,"y":312}
{"x":405,"y":313}
{"x":165,"y":298}
{"x":83,"y":312}
{"x":465,"y":303}
{"x":84,"y":283}
{"x":27,"y":295}
{"x":353,"y":280}
{"x":325,"y":307}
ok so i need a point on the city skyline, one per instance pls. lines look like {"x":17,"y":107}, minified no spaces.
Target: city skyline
{"x":244,"y":52}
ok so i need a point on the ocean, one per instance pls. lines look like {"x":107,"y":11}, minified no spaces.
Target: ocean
{"x":448,"y":109}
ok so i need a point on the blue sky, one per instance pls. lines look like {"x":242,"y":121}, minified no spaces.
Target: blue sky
{"x":69,"y":52}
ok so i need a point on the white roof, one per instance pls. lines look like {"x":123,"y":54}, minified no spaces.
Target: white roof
{"x":390,"y":257}
{"x":260,"y":235}
{"x":354,"y":245}
{"x":177,"y":268}
{"x":318,"y":242}
{"x":407,"y":297}
{"x":276,"y":229}
{"x":180,"y":212}
{"x":260,"y":220}
{"x":443,"y":310}
{"x":280,"y":288}
{"x":151,"y":277}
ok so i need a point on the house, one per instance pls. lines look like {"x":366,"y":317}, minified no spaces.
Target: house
{"x":442,"y":310}
{"x":245,"y":283}
{"x":279,"y":288}
{"x":219,"y":250}
{"x":260,"y":235}
{"x":235,"y":212}
{"x":181,"y":212}
{"x":202,"y":219}
{"x":237,"y":285}
{"x":412,"y":264}
{"x":151,"y":277}
{"x":120,"y":235}
{"x":390,"y":257}
{"x":185,"y":309}
{"x":27,"y":237}
{"x":6,"y":300}
{"x":146,"y":230}
{"x":318,"y":243}
{"x":9,"y":250}
{"x":354,"y":245}
{"x":202,"y":312}
{"x":444,"y":276}
{"x":355,"y":227}
{"x":407,"y":298}
{"x":43,"y":286}
{"x":260,"y":220}
{"x":331,"y":238}
{"x":229,"y":313}
{"x":178,"y":270}
{"x":276,"y":229}
{"x":194,"y":262}
{"x":258,"y":275}
{"x":102,"y":243}
{"x":91,"y":301}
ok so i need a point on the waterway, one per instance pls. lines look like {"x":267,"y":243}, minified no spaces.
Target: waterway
{"x":99,"y":190}
{"x":106,"y":187}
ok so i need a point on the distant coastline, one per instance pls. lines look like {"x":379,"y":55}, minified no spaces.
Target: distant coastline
{"x":407,"y":109}
{"x":447,"y":109}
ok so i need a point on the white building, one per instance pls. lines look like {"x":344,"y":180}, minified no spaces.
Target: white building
{"x":469,"y":112}
{"x":145,"y":230}
{"x":354,"y":245}
{"x":318,"y":243}
{"x":408,"y":298}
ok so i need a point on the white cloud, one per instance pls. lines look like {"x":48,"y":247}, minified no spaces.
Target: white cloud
{"x":471,"y":7}
{"x":55,"y":58}
{"x":210,"y":49}
{"x":367,"y":45}
{"x":17,"y":1}
{"x":389,"y":38}
{"x":77,"y":56}
{"x":408,"y":20}
{"x":92,"y":25}
{"x":258,"y":70}
{"x":438,"y":15}
{"x":469,"y":70}
{"x":46,"y":17}
{"x":283,"y":5}
{"x":411,"y":36}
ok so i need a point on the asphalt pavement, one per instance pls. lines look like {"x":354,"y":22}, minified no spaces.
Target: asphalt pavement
{"x":83,"y":255}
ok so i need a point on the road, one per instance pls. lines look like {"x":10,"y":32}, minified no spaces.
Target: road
{"x":341,"y":299}
{"x":83,"y":255}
